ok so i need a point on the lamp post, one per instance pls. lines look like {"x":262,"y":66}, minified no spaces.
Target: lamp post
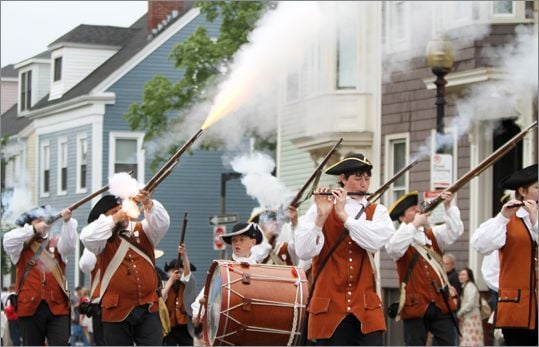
{"x":440,"y":58}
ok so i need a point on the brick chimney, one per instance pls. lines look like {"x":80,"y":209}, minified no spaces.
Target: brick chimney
{"x":160,"y":9}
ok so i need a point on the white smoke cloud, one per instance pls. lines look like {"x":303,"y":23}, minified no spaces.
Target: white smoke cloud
{"x":123,"y":185}
{"x":260,"y":184}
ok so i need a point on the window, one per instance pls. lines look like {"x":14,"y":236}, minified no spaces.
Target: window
{"x":503,"y":8}
{"x":82,"y":162}
{"x":26,"y":90}
{"x":62,"y":166}
{"x":126,"y":153}
{"x":396,"y":154}
{"x":347,"y":46}
{"x":45,"y":169}
{"x":58,"y":69}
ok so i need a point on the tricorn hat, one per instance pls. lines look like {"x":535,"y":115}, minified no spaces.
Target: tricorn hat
{"x":43,"y":212}
{"x":103,"y":205}
{"x":351,"y":163}
{"x":172,"y":264}
{"x":402,"y":204}
{"x":250,"y":229}
{"x":520,"y":178}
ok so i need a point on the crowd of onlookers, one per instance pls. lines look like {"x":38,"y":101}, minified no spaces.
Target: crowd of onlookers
{"x":81,"y":325}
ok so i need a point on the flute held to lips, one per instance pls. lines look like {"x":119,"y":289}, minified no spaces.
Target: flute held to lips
{"x":348,"y":193}
{"x":515,"y":205}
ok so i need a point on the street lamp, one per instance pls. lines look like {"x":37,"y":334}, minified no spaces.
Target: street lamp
{"x":440,"y":58}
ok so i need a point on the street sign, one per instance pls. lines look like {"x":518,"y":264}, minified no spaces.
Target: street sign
{"x":441,"y":171}
{"x":223,"y":219}
{"x":436,"y":215}
{"x":218,"y":243}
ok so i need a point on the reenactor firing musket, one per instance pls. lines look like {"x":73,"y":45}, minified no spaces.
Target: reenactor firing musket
{"x":428,"y":206}
{"x":295,"y":202}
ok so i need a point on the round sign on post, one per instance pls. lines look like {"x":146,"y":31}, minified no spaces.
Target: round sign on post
{"x":218,"y":243}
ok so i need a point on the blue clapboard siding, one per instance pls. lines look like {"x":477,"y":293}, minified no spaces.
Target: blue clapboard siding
{"x":194,"y":186}
{"x":59,"y":202}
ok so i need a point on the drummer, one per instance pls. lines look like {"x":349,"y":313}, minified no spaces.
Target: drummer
{"x":242,"y":238}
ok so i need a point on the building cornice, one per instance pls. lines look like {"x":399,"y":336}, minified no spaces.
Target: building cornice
{"x":461,"y":78}
{"x":83,"y":100}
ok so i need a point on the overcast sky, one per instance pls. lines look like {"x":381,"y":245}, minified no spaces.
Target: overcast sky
{"x":28,"y":27}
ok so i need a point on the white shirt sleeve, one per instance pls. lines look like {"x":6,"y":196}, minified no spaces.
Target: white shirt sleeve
{"x":156,"y":222}
{"x":261,"y":251}
{"x":400,"y":241}
{"x":371,"y":235}
{"x":94,"y":236}
{"x":14,"y":241}
{"x":87,"y":261}
{"x":68,"y":238}
{"x":308,"y":237}
{"x":451,"y":230}
{"x":490,"y":235}
{"x":195,"y":306}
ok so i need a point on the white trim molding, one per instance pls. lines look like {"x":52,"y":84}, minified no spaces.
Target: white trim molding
{"x":61,"y":141}
{"x":388,"y":163}
{"x":79,"y":140}
{"x":43,"y":159}
{"x":127,"y":135}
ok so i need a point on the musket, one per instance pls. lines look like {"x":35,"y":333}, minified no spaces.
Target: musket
{"x":82,"y":201}
{"x":166,"y":169}
{"x":380,"y":191}
{"x":295,"y":202}
{"x":182,"y":238}
{"x":428,"y":206}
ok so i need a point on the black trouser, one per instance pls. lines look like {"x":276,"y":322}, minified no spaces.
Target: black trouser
{"x":97,"y":325}
{"x":14,"y":332}
{"x":439,"y":324}
{"x":141,"y":327}
{"x":43,"y":324}
{"x":520,"y":337}
{"x":348,"y":333}
{"x":178,"y":336}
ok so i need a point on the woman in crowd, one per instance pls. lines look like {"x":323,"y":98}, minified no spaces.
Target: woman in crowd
{"x":469,"y":314}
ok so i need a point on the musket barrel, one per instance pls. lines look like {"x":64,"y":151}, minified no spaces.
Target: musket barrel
{"x":156,"y":179}
{"x":485,"y":164}
{"x":184,"y":228}
{"x":380,"y":191}
{"x":295,"y":201}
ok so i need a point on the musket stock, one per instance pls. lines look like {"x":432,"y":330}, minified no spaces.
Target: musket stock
{"x":82,"y":201}
{"x":428,"y":206}
{"x":166,"y":169}
{"x":295,"y":202}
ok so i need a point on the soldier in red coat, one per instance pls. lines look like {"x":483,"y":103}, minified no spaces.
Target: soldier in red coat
{"x":126,"y":261}
{"x":345,"y":308}
{"x":514,"y":234}
{"x":40,"y":260}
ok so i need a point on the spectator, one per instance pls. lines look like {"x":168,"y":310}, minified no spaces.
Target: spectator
{"x":13,"y":320}
{"x":469,"y":313}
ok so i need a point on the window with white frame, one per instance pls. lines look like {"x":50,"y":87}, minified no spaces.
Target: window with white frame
{"x":398,"y":154}
{"x":57,"y":69}
{"x":127,"y":153}
{"x":82,"y":163}
{"x":25,"y":101}
{"x":45,"y":168}
{"x":503,"y":8}
{"x":62,"y":166}
{"x":347,"y":45}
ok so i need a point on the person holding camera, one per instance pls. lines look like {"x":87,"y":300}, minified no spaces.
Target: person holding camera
{"x":87,"y":264}
{"x":42,"y":296}
{"x":427,"y":300}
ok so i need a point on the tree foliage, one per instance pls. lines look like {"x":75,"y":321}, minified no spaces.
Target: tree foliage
{"x":202,"y":59}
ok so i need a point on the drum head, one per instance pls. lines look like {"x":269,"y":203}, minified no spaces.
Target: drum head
{"x":214,"y":305}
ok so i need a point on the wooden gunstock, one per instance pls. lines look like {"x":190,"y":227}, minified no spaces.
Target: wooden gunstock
{"x":295,"y":202}
{"x":428,"y":206}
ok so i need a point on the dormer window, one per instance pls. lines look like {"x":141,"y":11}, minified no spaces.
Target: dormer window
{"x":57,"y":69}
{"x":26,"y":90}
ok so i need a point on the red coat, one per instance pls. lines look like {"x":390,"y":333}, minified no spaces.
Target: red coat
{"x":40,"y":284}
{"x":176,"y":310}
{"x":517,"y":296}
{"x":345,"y":286}
{"x":420,"y":291}
{"x":133,"y":284}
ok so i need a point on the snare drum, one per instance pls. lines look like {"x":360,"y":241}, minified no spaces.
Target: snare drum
{"x":254,"y":304}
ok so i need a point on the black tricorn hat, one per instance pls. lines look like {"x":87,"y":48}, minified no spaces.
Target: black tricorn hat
{"x":520,"y":178}
{"x":402,"y":204}
{"x":351,"y":163}
{"x":250,"y":229}
{"x":43,"y":212}
{"x":264,"y":215}
{"x":172,"y":264}
{"x":102,"y":206}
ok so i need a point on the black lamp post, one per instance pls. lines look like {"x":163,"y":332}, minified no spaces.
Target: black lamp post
{"x":440,"y":58}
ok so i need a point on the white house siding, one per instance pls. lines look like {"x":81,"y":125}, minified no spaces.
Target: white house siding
{"x":77,"y":63}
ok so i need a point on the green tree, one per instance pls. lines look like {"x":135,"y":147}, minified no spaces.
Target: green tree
{"x":202,"y":60}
